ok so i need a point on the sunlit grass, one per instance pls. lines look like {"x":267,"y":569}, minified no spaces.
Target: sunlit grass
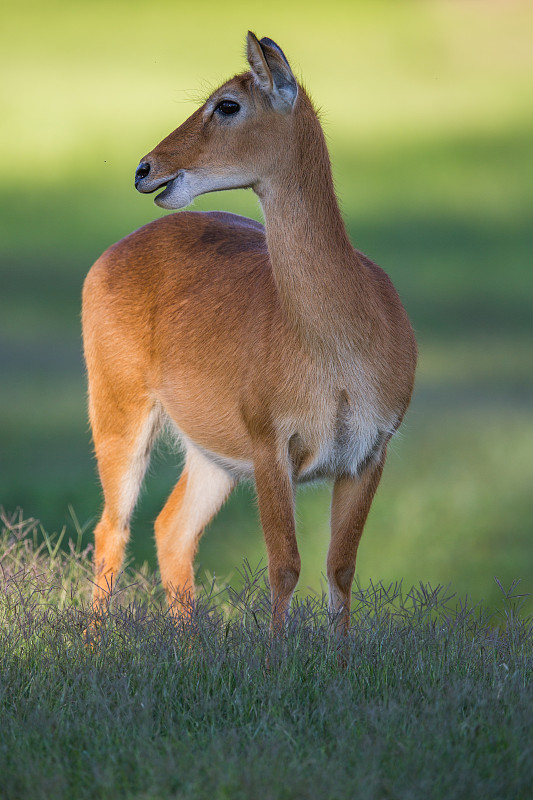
{"x":426,"y":696}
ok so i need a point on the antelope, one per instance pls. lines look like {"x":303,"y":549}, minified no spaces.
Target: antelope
{"x":276,"y":352}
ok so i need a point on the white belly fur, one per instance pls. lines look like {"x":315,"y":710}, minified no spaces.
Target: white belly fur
{"x":333,"y":447}
{"x":346,"y":448}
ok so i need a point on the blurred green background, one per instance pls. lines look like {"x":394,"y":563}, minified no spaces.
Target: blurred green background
{"x":428,"y":108}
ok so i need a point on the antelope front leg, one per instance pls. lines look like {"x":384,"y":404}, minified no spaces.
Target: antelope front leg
{"x":352,"y":498}
{"x":276,"y":508}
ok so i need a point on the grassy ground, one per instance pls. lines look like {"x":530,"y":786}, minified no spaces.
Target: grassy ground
{"x":424,"y":699}
{"x":428,"y":108}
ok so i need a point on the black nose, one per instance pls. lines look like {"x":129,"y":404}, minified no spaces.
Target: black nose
{"x":142,"y":171}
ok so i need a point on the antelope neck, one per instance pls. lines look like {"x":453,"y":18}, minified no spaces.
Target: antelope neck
{"x":313,"y":262}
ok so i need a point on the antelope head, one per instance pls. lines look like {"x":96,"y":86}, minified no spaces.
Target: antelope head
{"x":234,"y":140}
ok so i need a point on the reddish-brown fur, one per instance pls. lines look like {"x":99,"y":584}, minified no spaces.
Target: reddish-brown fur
{"x":278,"y":352}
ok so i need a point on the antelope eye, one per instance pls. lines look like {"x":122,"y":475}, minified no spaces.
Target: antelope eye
{"x":227,"y":107}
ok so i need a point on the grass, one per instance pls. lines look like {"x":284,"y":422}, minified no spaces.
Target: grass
{"x":431,"y":697}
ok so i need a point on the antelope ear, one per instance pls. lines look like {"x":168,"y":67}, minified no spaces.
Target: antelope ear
{"x":272,"y":72}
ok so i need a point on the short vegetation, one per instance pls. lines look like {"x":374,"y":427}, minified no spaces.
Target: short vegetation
{"x":428,"y":697}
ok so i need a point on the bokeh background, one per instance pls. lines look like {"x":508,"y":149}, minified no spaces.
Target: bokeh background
{"x":428,"y":108}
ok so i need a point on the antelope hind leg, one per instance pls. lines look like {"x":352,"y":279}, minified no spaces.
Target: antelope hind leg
{"x":123,"y":441}
{"x":199,"y":494}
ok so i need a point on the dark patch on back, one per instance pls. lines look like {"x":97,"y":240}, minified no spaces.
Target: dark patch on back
{"x":231,"y":241}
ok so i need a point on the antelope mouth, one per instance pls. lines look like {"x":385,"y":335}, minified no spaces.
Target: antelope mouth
{"x":148,"y":185}
{"x":168,"y":187}
{"x":177,"y":192}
